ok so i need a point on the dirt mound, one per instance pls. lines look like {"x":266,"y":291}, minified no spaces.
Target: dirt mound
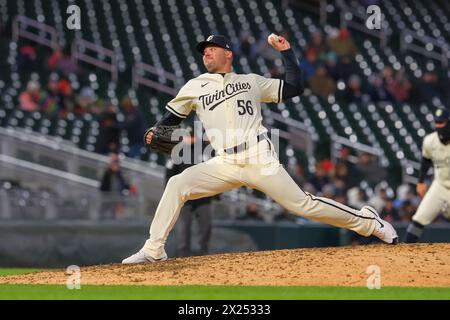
{"x":418,"y":265}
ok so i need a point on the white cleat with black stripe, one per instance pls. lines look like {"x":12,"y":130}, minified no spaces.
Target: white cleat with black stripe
{"x":383,"y":229}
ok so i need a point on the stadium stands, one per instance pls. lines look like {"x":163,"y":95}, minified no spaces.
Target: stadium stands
{"x":164,"y":33}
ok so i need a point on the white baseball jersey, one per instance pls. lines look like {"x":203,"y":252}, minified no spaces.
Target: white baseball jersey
{"x":229,"y":106}
{"x":436,"y":151}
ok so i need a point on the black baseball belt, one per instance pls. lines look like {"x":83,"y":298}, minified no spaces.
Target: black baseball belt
{"x":243,"y":146}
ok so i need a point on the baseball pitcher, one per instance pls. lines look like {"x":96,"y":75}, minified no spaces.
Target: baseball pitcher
{"x":435,"y":151}
{"x":229,"y":107}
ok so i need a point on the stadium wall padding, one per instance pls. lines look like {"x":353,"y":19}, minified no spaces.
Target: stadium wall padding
{"x":64,"y":243}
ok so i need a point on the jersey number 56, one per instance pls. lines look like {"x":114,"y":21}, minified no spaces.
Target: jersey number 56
{"x":245,"y":107}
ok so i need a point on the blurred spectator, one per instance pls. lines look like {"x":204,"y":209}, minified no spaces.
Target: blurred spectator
{"x":328,"y":166}
{"x":246,"y":44}
{"x":320,"y":178}
{"x":388,"y":76}
{"x":369,"y":169}
{"x":52,"y":100}
{"x":356,"y":198}
{"x":26,"y":61}
{"x":321,"y":84}
{"x":345,"y":67}
{"x":318,"y":45}
{"x":353,"y":174}
{"x":353,"y":92}
{"x":32,"y":98}
{"x":407,"y":211}
{"x":251,"y":213}
{"x":68,"y":99}
{"x":298,"y":175}
{"x":113,"y":180}
{"x":389,"y":213}
{"x":62,"y":62}
{"x":331,"y":65}
{"x":286,"y":216}
{"x":340,"y":197}
{"x":115,"y":187}
{"x":329,"y":191}
{"x":108,"y":139}
{"x":430,"y":87}
{"x":134,"y":125}
{"x":341,"y":177}
{"x":342,"y":43}
{"x":407,"y":202}
{"x":87,"y":100}
{"x":378,"y":201}
{"x":400,"y":87}
{"x":377,"y":91}
{"x":308,"y":65}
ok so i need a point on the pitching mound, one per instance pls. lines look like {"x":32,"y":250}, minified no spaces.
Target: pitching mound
{"x":418,"y":265}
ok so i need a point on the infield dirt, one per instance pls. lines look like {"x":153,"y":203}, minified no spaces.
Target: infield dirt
{"x":412,"y":265}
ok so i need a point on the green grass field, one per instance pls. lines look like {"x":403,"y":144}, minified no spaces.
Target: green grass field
{"x":213,"y":292}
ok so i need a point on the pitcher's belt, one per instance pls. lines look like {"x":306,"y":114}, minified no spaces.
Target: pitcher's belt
{"x":243,"y":146}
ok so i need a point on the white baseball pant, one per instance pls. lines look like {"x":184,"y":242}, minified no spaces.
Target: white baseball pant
{"x":223,"y":173}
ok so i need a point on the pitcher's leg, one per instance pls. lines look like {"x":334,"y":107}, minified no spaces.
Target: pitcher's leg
{"x":202,"y":180}
{"x":283,"y":189}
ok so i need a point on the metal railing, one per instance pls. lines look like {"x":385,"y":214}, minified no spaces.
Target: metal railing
{"x":21,"y":26}
{"x":318,"y":7}
{"x":138,"y":78}
{"x":409,"y":168}
{"x":297,"y":134}
{"x":407,"y":38}
{"x":62,"y":155}
{"x":79,"y":53}
{"x":337,"y":142}
{"x":21,"y":204}
{"x":96,"y":55}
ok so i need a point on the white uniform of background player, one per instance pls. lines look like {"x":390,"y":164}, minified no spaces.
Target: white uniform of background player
{"x":229,"y":107}
{"x":436,"y":152}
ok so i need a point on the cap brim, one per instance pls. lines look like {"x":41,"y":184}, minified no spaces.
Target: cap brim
{"x":202,"y":45}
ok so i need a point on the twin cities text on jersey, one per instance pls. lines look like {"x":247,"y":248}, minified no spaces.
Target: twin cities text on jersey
{"x":212,"y":100}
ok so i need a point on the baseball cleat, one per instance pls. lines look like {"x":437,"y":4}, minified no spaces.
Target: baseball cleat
{"x":383,"y":229}
{"x":141,"y":257}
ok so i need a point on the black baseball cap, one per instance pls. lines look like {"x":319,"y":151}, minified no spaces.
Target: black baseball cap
{"x":441,"y":115}
{"x":218,"y":40}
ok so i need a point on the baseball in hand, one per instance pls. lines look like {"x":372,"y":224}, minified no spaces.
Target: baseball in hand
{"x":272,"y":38}
{"x":279,"y":43}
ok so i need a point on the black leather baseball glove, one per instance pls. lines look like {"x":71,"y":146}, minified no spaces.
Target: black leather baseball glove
{"x":162,"y":138}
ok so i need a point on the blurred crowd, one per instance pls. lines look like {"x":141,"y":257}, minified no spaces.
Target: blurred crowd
{"x":59,"y":98}
{"x":329,"y":68}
